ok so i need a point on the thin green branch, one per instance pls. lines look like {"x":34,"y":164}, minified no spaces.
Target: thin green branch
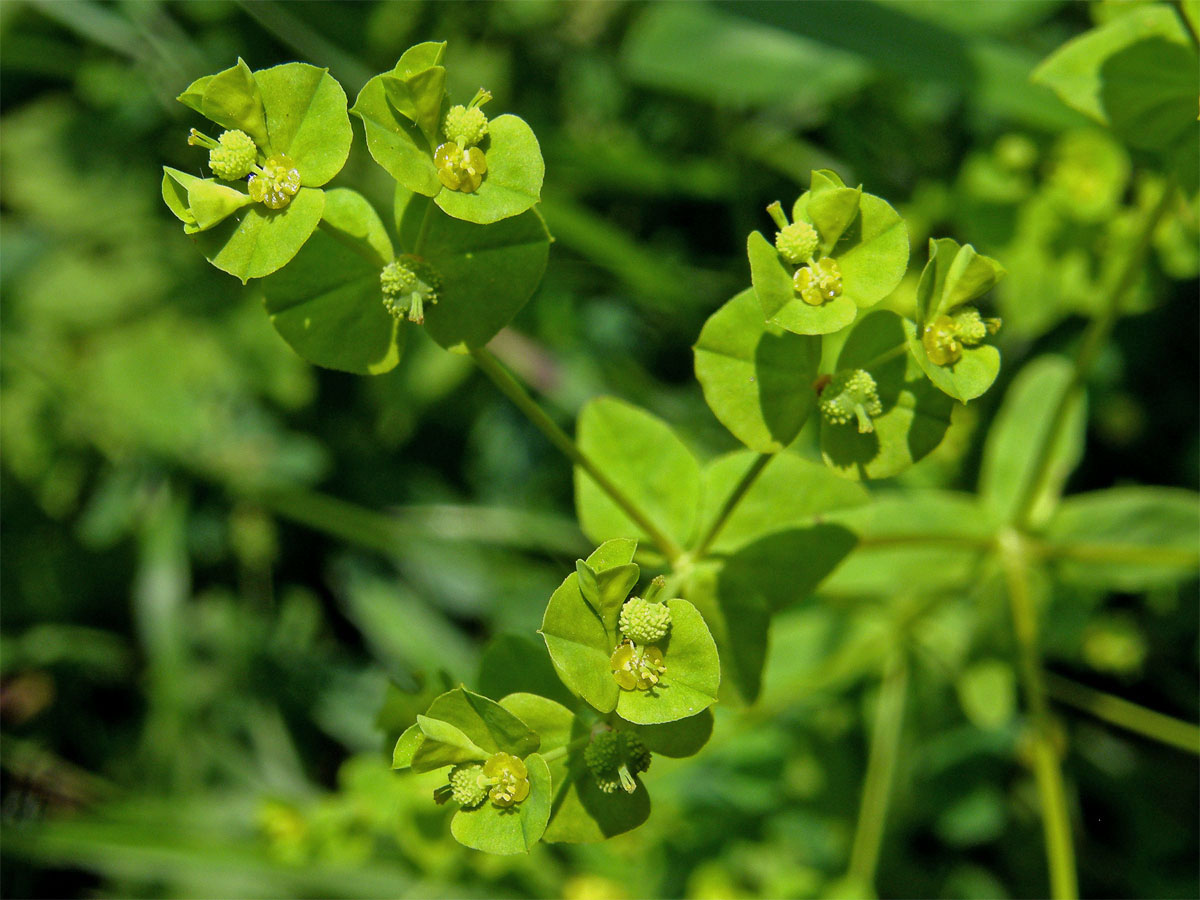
{"x":1056,"y":822}
{"x":731,"y":503}
{"x":515,"y":392}
{"x":881,"y":768}
{"x":1093,"y":341}
{"x":1124,"y":714}
{"x":559,"y":752}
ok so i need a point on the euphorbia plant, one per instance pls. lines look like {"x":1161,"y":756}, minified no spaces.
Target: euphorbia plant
{"x":727,"y":542}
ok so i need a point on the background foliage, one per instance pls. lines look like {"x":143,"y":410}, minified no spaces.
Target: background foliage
{"x":230,"y":579}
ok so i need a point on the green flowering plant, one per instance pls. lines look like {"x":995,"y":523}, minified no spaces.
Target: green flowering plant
{"x":559,"y":746}
{"x":287,"y":134}
{"x":844,"y":250}
{"x":476,"y":169}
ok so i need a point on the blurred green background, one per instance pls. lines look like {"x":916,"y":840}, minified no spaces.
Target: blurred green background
{"x":230,"y":579}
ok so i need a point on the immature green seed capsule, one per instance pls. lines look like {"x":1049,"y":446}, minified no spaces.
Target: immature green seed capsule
{"x":408,"y":284}
{"x":614,"y":758}
{"x":941,"y":341}
{"x":643,"y":621}
{"x":276,"y":183}
{"x":465,"y":788}
{"x":505,"y":778}
{"x":234,"y":156}
{"x":460,"y":168}
{"x":797,"y":242}
{"x":465,"y":125}
{"x":972,"y":327}
{"x":820,"y":282}
{"x":637,"y":668}
{"x":851,"y":394}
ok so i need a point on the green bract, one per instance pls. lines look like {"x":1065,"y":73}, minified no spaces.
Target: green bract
{"x":582,"y":632}
{"x":295,"y":115}
{"x":861,"y":257}
{"x":947,"y":340}
{"x":466,"y":730}
{"x":497,"y":172}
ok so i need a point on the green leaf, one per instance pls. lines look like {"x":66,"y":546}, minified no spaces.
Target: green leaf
{"x":1126,"y":538}
{"x":420,"y":97}
{"x":678,"y":739}
{"x":327,"y":304}
{"x":1136,"y":89}
{"x":791,"y":492}
{"x":233,"y":100}
{"x":394,"y":142}
{"x":934,"y":539}
{"x":1020,"y":428}
{"x":692,"y":677}
{"x":831,"y":210}
{"x":513,"y":182}
{"x":781,"y":306}
{"x":758,"y":580}
{"x":580,"y":646}
{"x":915,"y":414}
{"x":644,"y":458}
{"x":483,"y":721}
{"x":306,"y":119}
{"x":193,"y":95}
{"x":872,"y":252}
{"x":350,"y":218}
{"x":200,"y":203}
{"x":964,"y":380}
{"x":488,"y":272}
{"x":444,"y":744}
{"x":260,"y":240}
{"x":605,"y":592}
{"x":514,"y":663}
{"x":581,"y":812}
{"x":987,"y":692}
{"x":757,"y":378}
{"x":513,"y":830}
{"x":406,"y":747}
{"x":1149,"y":92}
{"x":419,"y":57}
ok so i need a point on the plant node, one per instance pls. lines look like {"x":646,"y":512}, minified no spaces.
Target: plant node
{"x":797,"y":242}
{"x":463,"y":787}
{"x":467,"y":125}
{"x":851,"y":394}
{"x":234,"y":156}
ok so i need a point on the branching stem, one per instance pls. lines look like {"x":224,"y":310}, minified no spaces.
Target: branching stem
{"x":514,"y":391}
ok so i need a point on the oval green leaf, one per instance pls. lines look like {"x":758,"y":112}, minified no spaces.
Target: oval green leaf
{"x":394,"y":142}
{"x":580,"y":646}
{"x":757,"y":378}
{"x":260,"y":240}
{"x":306,"y":119}
{"x":488,"y":273}
{"x":643,"y":457}
{"x":327,"y":304}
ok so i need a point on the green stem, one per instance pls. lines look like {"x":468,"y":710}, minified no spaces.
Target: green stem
{"x":423,"y":233}
{"x":515,"y":392}
{"x":881,"y":768}
{"x":1130,"y":716}
{"x":558,"y":752}
{"x":1056,"y":822}
{"x":731,"y":503}
{"x":1093,"y":341}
